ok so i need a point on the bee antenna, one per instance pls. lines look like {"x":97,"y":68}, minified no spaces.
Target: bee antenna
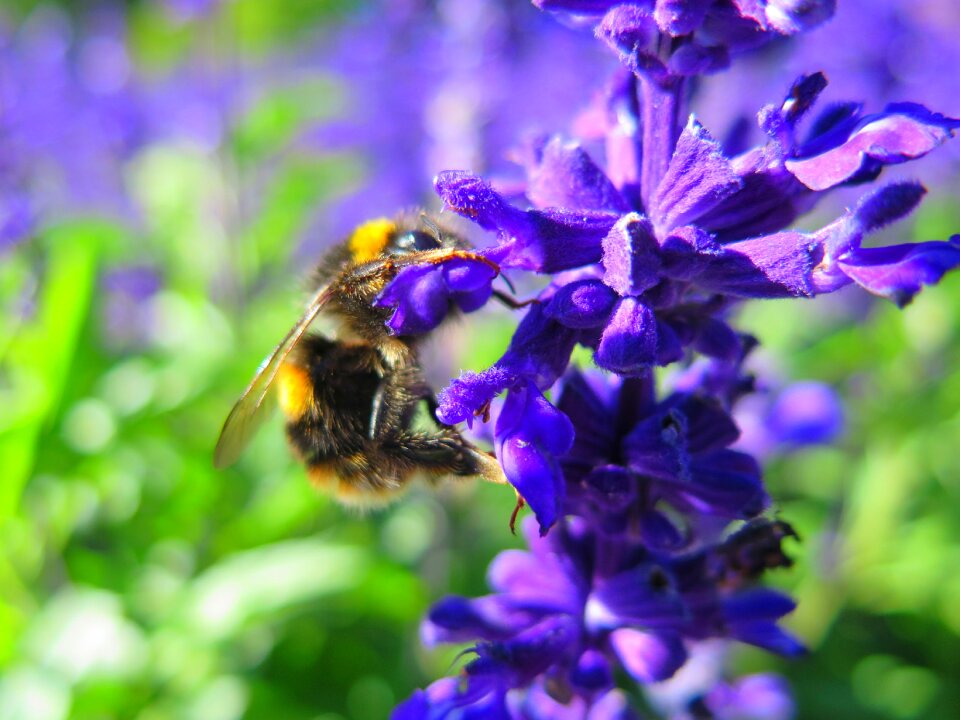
{"x":432,"y":227}
{"x":509,"y":284}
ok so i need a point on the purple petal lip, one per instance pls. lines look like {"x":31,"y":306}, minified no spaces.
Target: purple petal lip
{"x":903,"y":132}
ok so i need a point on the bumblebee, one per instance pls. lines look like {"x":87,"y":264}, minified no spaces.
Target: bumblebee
{"x":753,"y":549}
{"x":350,"y":402}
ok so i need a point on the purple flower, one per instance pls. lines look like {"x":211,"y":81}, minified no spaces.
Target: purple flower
{"x":423,"y":295}
{"x":579,"y":603}
{"x":559,"y":618}
{"x":755,"y":697}
{"x":675,"y":451}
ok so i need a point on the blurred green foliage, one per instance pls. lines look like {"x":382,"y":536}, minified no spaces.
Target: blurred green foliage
{"x":137,"y":582}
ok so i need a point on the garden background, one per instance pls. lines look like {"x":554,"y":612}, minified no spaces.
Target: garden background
{"x":169,"y":168}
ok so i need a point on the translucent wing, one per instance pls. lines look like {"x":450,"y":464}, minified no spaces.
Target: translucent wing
{"x":253,"y":407}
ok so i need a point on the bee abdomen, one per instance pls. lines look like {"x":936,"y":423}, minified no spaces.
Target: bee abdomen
{"x":294,"y":391}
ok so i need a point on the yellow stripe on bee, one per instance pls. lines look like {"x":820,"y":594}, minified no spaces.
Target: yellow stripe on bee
{"x":370,"y":239}
{"x":294,"y":390}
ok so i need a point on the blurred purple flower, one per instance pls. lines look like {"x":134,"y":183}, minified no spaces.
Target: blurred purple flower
{"x":16,"y":220}
{"x":127,"y":310}
{"x":467,"y":78}
{"x":184,"y":10}
{"x":47,"y":75}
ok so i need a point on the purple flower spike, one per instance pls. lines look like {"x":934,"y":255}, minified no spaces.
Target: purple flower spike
{"x":530,"y":435}
{"x":651,"y":531}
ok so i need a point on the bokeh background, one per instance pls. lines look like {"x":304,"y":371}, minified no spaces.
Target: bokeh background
{"x":169,"y":168}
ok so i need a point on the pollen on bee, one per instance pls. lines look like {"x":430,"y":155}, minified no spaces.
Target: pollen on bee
{"x":294,"y":390}
{"x":369,"y":240}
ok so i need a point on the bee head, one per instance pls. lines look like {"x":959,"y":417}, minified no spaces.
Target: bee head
{"x":415,"y":241}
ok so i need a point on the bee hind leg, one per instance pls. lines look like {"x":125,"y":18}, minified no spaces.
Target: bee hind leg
{"x":446,"y":453}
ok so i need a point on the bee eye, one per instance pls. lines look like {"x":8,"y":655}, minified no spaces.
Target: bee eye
{"x":416,"y":241}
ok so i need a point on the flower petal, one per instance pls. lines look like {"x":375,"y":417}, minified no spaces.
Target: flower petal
{"x":771,"y":266}
{"x":698,"y":179}
{"x":899,"y":272}
{"x":548,"y":240}
{"x":539,"y":352}
{"x":469,"y":394}
{"x":529,"y":653}
{"x":581,"y":304}
{"x":457,"y":619}
{"x":726,"y":483}
{"x":805,"y":413}
{"x":648,"y":657}
{"x":565,"y":176}
{"x":592,"y":672}
{"x":632,"y":33}
{"x":420,"y":300}
{"x":482,"y":699}
{"x":642,"y":595}
{"x":761,"y":696}
{"x":629,"y":342}
{"x":631,"y":258}
{"x":533,"y":582}
{"x":680,"y":17}
{"x":904,"y":131}
{"x":529,"y":434}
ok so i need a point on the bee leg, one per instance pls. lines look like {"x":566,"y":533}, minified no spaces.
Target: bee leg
{"x":433,"y":407}
{"x":445,"y":453}
{"x":377,"y":413}
{"x":487,"y":464}
{"x":395,"y":400}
